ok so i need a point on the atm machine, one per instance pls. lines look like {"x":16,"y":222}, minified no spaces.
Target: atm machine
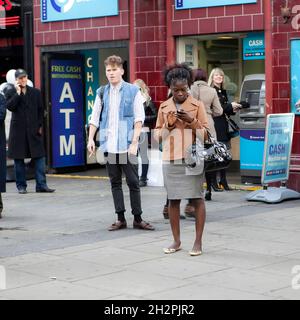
{"x":252,"y":128}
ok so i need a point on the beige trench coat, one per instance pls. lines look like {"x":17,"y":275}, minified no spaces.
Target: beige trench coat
{"x":200,"y":90}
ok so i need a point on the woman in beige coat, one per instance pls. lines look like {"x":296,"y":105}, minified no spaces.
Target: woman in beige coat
{"x":180,"y":119}
{"x":202,"y":91}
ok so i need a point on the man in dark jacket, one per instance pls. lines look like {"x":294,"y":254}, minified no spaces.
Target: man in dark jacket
{"x":2,"y":150}
{"x":26,"y":134}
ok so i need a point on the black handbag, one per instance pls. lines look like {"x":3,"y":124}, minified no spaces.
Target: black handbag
{"x":213,"y":153}
{"x":233,"y":128}
{"x":216,"y":155}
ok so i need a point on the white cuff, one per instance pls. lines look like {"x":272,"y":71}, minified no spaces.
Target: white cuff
{"x":94,"y":124}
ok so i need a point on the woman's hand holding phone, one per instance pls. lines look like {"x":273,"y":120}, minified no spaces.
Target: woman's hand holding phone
{"x":171,"y":118}
{"x":184,"y":116}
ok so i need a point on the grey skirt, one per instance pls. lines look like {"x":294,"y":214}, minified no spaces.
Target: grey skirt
{"x":179,"y":185}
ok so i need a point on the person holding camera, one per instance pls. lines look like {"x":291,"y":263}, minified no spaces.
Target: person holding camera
{"x":216,"y":80}
{"x":179,"y":120}
{"x":26,"y":132}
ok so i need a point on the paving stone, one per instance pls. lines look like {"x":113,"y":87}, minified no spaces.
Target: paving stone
{"x":133,"y":283}
{"x":112,"y":257}
{"x":245,"y":280}
{"x":193,"y":292}
{"x":56,"y":290}
{"x":66,"y":269}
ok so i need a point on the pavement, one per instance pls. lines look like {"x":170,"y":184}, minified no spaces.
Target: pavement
{"x":56,"y":246}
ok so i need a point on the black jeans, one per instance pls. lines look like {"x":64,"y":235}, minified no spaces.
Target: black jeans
{"x":116,"y":165}
{"x":143,"y":152}
{"x":1,"y":203}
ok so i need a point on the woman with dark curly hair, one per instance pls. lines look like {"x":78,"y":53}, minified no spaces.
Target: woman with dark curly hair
{"x":180,"y":119}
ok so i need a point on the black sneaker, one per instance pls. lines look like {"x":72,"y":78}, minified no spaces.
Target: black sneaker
{"x":45,"y":189}
{"x":143,"y":183}
{"x":22,"y":191}
{"x":208,"y":196}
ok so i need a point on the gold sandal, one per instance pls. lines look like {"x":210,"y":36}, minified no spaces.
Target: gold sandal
{"x":171,"y":250}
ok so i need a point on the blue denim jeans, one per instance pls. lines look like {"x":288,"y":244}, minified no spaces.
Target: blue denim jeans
{"x":40,"y":176}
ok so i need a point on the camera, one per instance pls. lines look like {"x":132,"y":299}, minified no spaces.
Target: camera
{"x":244,"y":104}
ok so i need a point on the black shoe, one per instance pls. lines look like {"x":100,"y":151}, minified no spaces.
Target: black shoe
{"x":225,"y":185}
{"x":216,"y":187}
{"x":189,"y":211}
{"x":166,"y":213}
{"x":208,"y":195}
{"x":45,"y":189}
{"x":22,"y":191}
{"x":143,"y":183}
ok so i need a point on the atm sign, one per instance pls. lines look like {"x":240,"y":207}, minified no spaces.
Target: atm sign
{"x":5,"y":5}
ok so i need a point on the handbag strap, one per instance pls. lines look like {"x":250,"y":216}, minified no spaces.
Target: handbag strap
{"x":231,"y":122}
{"x":227,"y":117}
{"x":101,"y":94}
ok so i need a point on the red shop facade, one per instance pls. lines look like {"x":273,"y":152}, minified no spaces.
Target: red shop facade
{"x":150,"y":34}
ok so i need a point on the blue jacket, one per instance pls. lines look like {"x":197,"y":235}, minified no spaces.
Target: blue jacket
{"x":126,"y":116}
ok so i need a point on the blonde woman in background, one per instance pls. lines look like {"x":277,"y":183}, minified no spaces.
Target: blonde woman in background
{"x":217,"y":81}
{"x":145,"y":137}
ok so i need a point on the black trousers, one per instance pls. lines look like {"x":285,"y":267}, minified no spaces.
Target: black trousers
{"x":143,"y":153}
{"x":116,"y":165}
{"x":1,"y":203}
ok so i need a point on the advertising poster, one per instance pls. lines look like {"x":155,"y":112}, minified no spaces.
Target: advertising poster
{"x":189,"y":4}
{"x":295,"y":76}
{"x":279,"y":137}
{"x":189,"y":54}
{"x":57,"y":10}
{"x":251,"y":149}
{"x":254,"y":46}
{"x":67,"y":113}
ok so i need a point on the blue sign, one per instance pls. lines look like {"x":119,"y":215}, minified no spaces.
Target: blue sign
{"x":295,"y":76}
{"x":254,"y":46}
{"x":189,"y":4}
{"x":278,"y":147}
{"x":67,"y":114}
{"x":251,"y":149}
{"x":57,"y":10}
